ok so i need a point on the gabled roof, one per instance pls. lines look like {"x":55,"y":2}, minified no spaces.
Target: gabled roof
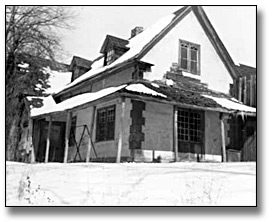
{"x":81,"y":62}
{"x":114,"y":41}
{"x":141,"y":44}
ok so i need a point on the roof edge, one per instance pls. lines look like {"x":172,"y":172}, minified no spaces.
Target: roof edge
{"x":215,"y":40}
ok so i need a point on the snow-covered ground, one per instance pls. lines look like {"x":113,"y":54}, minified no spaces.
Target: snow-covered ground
{"x":128,"y":184}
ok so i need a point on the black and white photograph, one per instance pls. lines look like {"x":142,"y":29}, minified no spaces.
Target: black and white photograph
{"x":131,"y":106}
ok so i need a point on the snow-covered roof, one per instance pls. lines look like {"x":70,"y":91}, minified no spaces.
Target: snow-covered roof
{"x":50,"y":106}
{"x":47,"y":105}
{"x":57,"y":80}
{"x":149,"y":89}
{"x":140,"y":88}
{"x":135,"y":45}
{"x":232,"y":104}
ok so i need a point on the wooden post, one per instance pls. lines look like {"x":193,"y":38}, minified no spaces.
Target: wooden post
{"x":176,"y":133}
{"x":245,"y":90}
{"x":120,"y":140}
{"x":30,"y":141}
{"x":240,"y":89}
{"x":88,"y":155}
{"x":48,"y":139}
{"x":67,"y":135}
{"x":251,"y":91}
{"x":224,"y":154}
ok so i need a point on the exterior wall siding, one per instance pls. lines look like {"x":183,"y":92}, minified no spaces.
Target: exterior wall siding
{"x":158,"y":133}
{"x":104,"y":149}
{"x":117,"y":79}
{"x":213,"y":138}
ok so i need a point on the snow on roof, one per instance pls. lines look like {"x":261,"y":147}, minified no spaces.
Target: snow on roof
{"x":143,"y":89}
{"x":136,"y":45}
{"x":231,"y":104}
{"x":49,"y":105}
{"x":57,"y":80}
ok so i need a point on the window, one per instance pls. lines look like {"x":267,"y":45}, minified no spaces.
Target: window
{"x":189,"y":57}
{"x":105,"y":124}
{"x":190,"y":125}
{"x":110,"y":56}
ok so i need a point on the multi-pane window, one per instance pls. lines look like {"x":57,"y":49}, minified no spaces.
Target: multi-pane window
{"x":110,"y":56}
{"x":105,"y":124}
{"x":189,"y":57}
{"x":190,"y":125}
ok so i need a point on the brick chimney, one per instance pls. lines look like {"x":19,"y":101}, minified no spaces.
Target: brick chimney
{"x":137,"y":30}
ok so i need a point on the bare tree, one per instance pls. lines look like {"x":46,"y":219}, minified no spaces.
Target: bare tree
{"x":32,"y":36}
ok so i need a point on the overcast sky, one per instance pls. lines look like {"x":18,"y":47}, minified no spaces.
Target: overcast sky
{"x":236,"y":26}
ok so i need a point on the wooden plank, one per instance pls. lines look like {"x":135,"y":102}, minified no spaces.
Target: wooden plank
{"x":176,"y":133}
{"x":224,"y":155}
{"x":120,"y":140}
{"x":48,"y":139}
{"x":67,"y":135}
{"x":90,"y":137}
{"x":240,"y":89}
{"x":245,"y":90}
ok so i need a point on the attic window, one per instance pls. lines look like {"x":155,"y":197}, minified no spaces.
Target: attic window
{"x":110,"y":56}
{"x":189,"y":57}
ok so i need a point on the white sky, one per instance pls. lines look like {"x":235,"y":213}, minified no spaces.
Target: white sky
{"x":236,"y":26}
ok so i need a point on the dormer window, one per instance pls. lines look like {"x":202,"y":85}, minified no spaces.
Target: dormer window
{"x":113,"y":48}
{"x":110,"y":56}
{"x":189,"y":57}
{"x":79,"y":66}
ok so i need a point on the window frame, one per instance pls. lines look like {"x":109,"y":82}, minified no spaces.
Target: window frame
{"x":198,"y":128}
{"x":107,"y":136}
{"x":110,"y":56}
{"x":189,"y":67}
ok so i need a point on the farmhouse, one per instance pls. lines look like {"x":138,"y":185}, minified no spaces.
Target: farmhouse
{"x":165,"y":94}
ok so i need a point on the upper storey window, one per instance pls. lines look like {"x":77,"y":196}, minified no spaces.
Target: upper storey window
{"x":189,"y":57}
{"x":112,"y":48}
{"x":110,"y":56}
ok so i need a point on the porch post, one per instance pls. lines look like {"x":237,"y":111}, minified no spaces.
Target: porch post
{"x":48,"y":139}
{"x":30,"y":141}
{"x":120,"y":141}
{"x":67,"y":135}
{"x":240,"y":89}
{"x":176,"y":133}
{"x":224,"y":155}
{"x":90,"y":137}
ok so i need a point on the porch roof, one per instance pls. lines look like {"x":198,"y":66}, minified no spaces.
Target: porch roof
{"x":204,"y":99}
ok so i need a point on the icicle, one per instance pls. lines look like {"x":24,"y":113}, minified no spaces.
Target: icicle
{"x":242,"y":115}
